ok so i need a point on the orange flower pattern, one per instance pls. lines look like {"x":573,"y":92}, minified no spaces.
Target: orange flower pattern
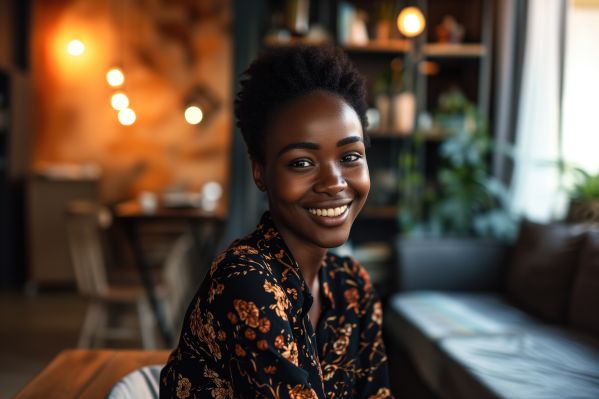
{"x":248,"y":329}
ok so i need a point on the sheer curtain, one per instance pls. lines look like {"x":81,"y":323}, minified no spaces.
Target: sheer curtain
{"x":581,"y":87}
{"x":535,"y":184}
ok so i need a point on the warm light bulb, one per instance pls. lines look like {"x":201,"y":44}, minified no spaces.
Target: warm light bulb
{"x":119,"y":101}
{"x":75,"y":48}
{"x":411,"y":22}
{"x":127,"y":117}
{"x":115,"y":77}
{"x":193,"y":115}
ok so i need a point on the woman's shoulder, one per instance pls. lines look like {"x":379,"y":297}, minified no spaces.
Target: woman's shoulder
{"x":242,"y":256}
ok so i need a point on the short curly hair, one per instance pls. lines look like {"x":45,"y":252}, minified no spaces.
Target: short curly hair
{"x":281,"y":75}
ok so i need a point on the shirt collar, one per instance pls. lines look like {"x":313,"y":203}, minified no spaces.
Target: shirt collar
{"x":276,"y":248}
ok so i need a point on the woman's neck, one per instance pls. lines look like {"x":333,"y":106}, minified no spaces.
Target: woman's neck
{"x":308,"y":257}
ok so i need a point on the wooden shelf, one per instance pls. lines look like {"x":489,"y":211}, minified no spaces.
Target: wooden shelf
{"x":375,"y":46}
{"x":380,"y":212}
{"x":398,"y":46}
{"x":432,"y":50}
{"x":454,"y":50}
{"x":434,"y":135}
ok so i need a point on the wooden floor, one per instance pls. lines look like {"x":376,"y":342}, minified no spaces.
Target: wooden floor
{"x":34,"y":329}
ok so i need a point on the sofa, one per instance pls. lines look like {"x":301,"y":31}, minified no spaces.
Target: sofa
{"x":476,"y":318}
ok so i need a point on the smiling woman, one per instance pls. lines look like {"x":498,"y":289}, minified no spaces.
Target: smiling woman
{"x":279,"y":316}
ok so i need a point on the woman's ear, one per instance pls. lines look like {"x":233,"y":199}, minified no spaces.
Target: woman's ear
{"x":258,"y":174}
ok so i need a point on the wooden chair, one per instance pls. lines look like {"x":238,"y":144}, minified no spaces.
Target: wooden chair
{"x":86,"y":222}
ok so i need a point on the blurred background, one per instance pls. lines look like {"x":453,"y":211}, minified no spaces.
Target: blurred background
{"x":122,"y":172}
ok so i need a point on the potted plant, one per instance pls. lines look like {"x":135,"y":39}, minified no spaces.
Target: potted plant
{"x":465,"y":200}
{"x":461,"y":216}
{"x":584,"y":197}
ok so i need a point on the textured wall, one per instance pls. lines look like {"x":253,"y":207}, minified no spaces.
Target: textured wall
{"x":168,"y":50}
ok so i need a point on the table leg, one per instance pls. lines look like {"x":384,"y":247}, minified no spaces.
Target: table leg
{"x":146,"y":278}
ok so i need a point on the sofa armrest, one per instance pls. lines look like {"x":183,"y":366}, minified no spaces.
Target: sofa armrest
{"x":451,"y":264}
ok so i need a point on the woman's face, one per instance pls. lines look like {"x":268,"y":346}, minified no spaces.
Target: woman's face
{"x":315,"y":171}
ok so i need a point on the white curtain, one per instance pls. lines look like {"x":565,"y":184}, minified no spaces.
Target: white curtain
{"x":581,"y":88}
{"x":535,"y":184}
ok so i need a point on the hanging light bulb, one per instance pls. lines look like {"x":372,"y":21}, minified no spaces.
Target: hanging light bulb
{"x":115,"y":77}
{"x":75,"y":48}
{"x":127,"y":117}
{"x":193,"y":115}
{"x":411,"y":22}
{"x":119,"y":101}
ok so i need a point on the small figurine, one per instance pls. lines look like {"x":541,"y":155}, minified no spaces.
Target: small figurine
{"x":450,"y":31}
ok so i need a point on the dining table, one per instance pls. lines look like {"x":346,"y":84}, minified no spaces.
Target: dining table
{"x":90,"y":374}
{"x":206,"y":228}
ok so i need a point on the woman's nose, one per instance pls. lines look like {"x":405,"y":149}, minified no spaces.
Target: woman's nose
{"x":330,"y":180}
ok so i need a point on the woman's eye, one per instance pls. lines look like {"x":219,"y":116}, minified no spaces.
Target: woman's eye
{"x":300,"y":164}
{"x":353,"y":157}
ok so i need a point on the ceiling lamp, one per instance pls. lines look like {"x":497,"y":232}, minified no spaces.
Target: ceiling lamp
{"x":411,"y":22}
{"x":75,"y":48}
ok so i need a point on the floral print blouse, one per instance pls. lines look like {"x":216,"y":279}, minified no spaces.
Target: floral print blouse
{"x":247,"y":333}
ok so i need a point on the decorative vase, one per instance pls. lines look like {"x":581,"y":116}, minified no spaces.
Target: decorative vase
{"x":404,"y":111}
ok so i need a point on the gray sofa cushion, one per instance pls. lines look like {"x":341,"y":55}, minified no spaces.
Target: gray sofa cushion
{"x":537,"y":364}
{"x":419,"y":320}
{"x":445,"y":334}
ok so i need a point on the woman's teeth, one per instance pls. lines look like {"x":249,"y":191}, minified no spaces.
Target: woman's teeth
{"x":330,"y":212}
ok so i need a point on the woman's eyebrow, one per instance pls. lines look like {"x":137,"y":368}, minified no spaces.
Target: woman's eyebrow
{"x":302,"y":145}
{"x":313,"y":146}
{"x":349,"y":140}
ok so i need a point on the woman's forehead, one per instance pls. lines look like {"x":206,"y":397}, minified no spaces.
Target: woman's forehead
{"x":318,"y":116}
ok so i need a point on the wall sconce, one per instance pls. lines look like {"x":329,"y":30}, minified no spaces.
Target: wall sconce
{"x":75,"y":48}
{"x":411,"y":22}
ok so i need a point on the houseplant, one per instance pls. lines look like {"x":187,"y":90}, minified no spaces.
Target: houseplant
{"x":464,"y":200}
{"x":584,"y":197}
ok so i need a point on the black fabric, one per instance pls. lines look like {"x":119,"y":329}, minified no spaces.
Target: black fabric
{"x":247,"y":333}
{"x":584,"y":303}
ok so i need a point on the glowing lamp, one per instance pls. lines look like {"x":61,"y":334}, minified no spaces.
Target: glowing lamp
{"x":193,"y":115}
{"x":115,"y":77}
{"x":127,"y":117}
{"x":119,"y":101}
{"x":75,"y":48}
{"x":411,"y":22}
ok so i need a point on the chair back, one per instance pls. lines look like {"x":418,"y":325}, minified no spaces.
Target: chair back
{"x":139,"y":384}
{"x":177,"y":281}
{"x":85,"y":223}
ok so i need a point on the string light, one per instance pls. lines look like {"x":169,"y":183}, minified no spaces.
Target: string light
{"x":75,"y":48}
{"x":411,"y":22}
{"x":115,"y":77}
{"x":193,"y":115}
{"x":127,"y":117}
{"x":119,"y":101}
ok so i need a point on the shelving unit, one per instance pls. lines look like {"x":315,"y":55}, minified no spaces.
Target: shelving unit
{"x":466,"y":65}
